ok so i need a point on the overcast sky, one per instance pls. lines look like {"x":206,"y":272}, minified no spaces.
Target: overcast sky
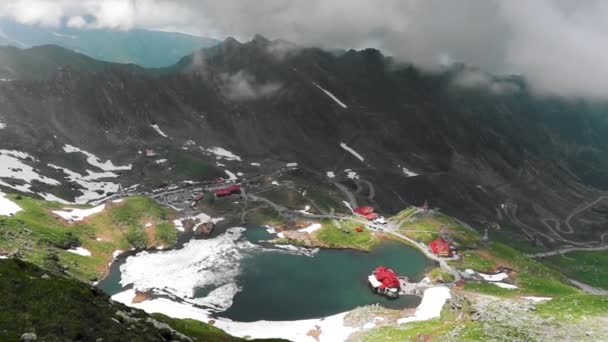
{"x":559,"y":45}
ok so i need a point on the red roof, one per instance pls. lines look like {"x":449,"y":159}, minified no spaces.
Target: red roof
{"x":371,"y":216}
{"x":229,"y":190}
{"x":364,"y":210}
{"x":440,"y":246}
{"x":387,"y":277}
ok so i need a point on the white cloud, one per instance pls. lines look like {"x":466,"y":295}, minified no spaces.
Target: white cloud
{"x":243,"y":86}
{"x":76,"y":22}
{"x":557,"y":44}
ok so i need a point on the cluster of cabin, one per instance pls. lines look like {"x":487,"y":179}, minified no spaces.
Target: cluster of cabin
{"x":369,"y":213}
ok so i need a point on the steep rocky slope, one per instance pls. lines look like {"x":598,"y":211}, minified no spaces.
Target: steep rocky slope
{"x":518,"y":165}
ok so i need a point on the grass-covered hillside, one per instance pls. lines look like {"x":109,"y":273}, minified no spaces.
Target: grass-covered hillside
{"x":39,"y":236}
{"x":59,"y":308}
{"x":530,"y":276}
{"x":590,"y":267}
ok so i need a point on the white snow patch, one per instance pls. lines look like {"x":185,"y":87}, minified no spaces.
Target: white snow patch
{"x":95,"y":161}
{"x":331,"y":96}
{"x":2,"y":125}
{"x":369,"y":325}
{"x":271,"y":230}
{"x":148,"y":225}
{"x":231,"y":176}
{"x":222,"y":153}
{"x":537,"y":299}
{"x":331,"y":174}
{"x":12,"y":166}
{"x":159,"y":131}
{"x":178,"y":225}
{"x":117,"y":200}
{"x":353,"y":152}
{"x":281,"y":235}
{"x":256,"y":164}
{"x":240,"y":174}
{"x":8,"y":207}
{"x":352,"y":175}
{"x":348,"y":205}
{"x":53,"y":198}
{"x":494,"y":277}
{"x":432,"y":302}
{"x":80,"y":251}
{"x":116,"y":253}
{"x":408,"y":172}
{"x":504,"y":285}
{"x":199,"y":264}
{"x":274,"y":183}
{"x":161,"y":161}
{"x":291,"y":164}
{"x":98,"y":239}
{"x":91,"y":188}
{"x":312,"y":228}
{"x":74,"y":214}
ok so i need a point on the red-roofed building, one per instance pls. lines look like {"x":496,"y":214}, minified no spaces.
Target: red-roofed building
{"x":227,"y":191}
{"x":367,"y":212}
{"x":384,"y":280}
{"x":441,"y":247}
{"x":364,"y":210}
{"x":371,"y":216}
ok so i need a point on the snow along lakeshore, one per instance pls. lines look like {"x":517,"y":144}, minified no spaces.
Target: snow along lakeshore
{"x":432,"y":302}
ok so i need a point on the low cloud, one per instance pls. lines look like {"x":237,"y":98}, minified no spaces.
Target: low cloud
{"x":557,"y":45}
{"x":242,"y":86}
{"x":477,"y":79}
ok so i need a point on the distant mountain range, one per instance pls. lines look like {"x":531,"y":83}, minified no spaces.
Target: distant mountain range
{"x":142,"y":47}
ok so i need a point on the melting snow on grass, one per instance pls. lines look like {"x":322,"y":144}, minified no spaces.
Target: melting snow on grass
{"x":537,"y":299}
{"x":494,"y":277}
{"x":8,"y":207}
{"x":73,"y":214}
{"x":504,"y":285}
{"x":331,"y":96}
{"x":159,"y":131}
{"x":430,"y":307}
{"x":80,"y":251}
{"x":221,"y":153}
{"x":312,"y":228}
{"x":95,"y":161}
{"x":353,"y":152}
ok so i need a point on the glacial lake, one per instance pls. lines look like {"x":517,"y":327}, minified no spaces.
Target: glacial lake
{"x":279,"y":286}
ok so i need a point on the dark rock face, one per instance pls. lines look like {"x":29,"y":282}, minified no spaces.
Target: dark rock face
{"x":511,"y":162}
